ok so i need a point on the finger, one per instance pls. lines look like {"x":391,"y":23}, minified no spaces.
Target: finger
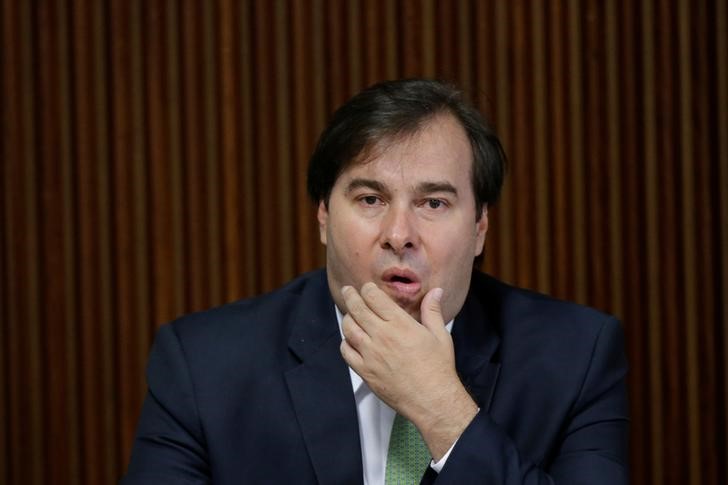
{"x":352,"y":358}
{"x":353,"y":333}
{"x":358,"y":309}
{"x":379,"y":302}
{"x":431,"y":311}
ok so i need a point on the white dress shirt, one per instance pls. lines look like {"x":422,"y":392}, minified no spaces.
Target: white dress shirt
{"x":375,"y":426}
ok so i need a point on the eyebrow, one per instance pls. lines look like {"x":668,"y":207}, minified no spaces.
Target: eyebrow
{"x":359,"y":183}
{"x":430,"y":187}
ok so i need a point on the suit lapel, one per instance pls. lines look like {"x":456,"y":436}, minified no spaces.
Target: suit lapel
{"x":476,"y":349}
{"x":320,"y":389}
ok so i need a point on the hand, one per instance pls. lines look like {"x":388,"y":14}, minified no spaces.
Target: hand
{"x":410,"y":366}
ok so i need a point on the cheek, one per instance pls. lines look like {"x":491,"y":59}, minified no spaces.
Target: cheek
{"x":354,"y":235}
{"x":349,"y":250}
{"x":453,"y":259}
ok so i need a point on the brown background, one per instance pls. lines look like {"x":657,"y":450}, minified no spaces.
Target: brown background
{"x":153,"y":162}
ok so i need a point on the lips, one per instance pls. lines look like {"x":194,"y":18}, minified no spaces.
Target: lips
{"x":401,"y":281}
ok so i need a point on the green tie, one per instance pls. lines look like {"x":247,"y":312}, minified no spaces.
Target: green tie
{"x":408,"y":455}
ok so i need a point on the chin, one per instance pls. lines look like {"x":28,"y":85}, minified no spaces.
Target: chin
{"x":412,"y":308}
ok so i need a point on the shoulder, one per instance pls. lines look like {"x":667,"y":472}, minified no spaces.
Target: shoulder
{"x":545,"y":334}
{"x":252,"y":323}
{"x":560,"y":371}
{"x":518,"y":310}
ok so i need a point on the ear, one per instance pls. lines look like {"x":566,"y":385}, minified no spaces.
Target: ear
{"x":323,"y":216}
{"x":481,"y":229}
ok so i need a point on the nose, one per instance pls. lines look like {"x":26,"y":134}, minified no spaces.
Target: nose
{"x":399,"y":230}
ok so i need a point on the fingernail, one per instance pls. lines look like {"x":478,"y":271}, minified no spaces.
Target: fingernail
{"x":368,"y":286}
{"x":437,"y":294}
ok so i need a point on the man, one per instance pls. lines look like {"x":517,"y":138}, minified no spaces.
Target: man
{"x":528,"y":390}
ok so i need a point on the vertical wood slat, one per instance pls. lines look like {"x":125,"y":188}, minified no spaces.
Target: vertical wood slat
{"x":302,"y":57}
{"x":354,"y":41}
{"x":463,"y":45}
{"x":49,"y":229}
{"x":429,"y":51}
{"x":231,"y":250}
{"x":709,"y":365}
{"x":29,"y":169}
{"x":4,"y":314}
{"x":576,"y":153}
{"x":210,"y":126}
{"x":249,"y":197}
{"x":721,"y":50}
{"x":593,"y":176}
{"x":503,"y":264}
{"x":559,"y":205}
{"x":154,"y":159}
{"x":635,"y":310}
{"x":88,"y":247}
{"x":689,"y":244}
{"x":107,"y":312}
{"x":521,"y":174}
{"x":123,"y":241}
{"x":284,"y":179}
{"x":140,"y":197}
{"x":652,"y":243}
{"x":174,"y":139}
{"x":670,"y":254}
{"x":613,"y":142}
{"x":159,"y":165}
{"x":264,"y":149}
{"x":71,"y":385}
{"x":193,"y":153}
{"x":52,"y":226}
{"x":390,"y":49}
{"x":542,"y":192}
{"x":4,"y":270}
{"x":11,"y":352}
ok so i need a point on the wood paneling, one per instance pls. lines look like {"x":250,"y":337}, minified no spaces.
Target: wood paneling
{"x":154,"y":158}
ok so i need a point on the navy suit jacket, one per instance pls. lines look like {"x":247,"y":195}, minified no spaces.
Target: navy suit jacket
{"x":257,"y":392}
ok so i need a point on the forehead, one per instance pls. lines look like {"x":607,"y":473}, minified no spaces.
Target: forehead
{"x":439,"y":151}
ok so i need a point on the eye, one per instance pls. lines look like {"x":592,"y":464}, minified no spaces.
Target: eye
{"x":435,"y":203}
{"x":369,"y":200}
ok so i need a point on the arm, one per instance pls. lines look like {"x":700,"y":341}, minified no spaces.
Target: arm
{"x":411,"y":367}
{"x":592,"y":448}
{"x":169,"y":447}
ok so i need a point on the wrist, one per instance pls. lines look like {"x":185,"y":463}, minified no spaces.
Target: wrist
{"x":442,"y":423}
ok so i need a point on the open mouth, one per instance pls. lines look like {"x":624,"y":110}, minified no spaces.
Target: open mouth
{"x":401,"y":281}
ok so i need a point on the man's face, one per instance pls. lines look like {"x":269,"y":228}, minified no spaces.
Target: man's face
{"x":405,"y":219}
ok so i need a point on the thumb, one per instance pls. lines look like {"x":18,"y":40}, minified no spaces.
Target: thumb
{"x":430,"y":310}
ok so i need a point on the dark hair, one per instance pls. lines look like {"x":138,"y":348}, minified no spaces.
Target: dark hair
{"x":393,"y":109}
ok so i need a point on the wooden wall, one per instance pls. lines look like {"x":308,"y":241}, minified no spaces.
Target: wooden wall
{"x":153,"y":163}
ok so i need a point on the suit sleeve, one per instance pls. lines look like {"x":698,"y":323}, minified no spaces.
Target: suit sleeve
{"x":591,"y":450}
{"x":169,"y":447}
